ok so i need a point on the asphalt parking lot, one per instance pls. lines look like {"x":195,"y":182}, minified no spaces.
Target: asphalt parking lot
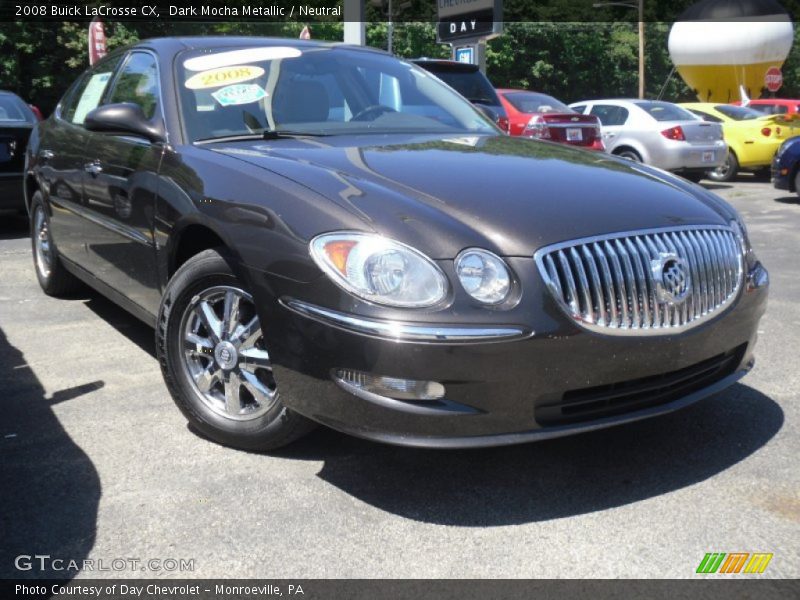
{"x":98,"y":464}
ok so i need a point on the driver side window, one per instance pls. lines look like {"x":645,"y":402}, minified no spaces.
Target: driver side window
{"x":138,"y":83}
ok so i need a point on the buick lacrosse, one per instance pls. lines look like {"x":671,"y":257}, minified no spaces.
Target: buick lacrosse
{"x":326,"y":234}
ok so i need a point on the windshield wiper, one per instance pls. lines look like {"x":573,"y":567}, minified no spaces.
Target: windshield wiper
{"x":267,"y":134}
{"x":276,"y":134}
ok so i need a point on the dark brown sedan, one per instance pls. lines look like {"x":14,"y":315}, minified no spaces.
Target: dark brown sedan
{"x":326,"y":234}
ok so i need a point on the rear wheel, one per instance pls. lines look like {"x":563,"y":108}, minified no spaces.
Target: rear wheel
{"x":215,"y":361}
{"x":53,"y":278}
{"x":797,"y":183}
{"x":726,"y":171}
{"x":630,"y":154}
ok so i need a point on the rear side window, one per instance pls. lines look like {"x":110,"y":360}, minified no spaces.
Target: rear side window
{"x":581,"y":108}
{"x":89,"y":92}
{"x":738,"y":113}
{"x":138,"y":83}
{"x":664,"y":111}
{"x":772,"y":109}
{"x":705,"y":116}
{"x":472,"y":85}
{"x":610,"y":115}
{"x":532,"y":102}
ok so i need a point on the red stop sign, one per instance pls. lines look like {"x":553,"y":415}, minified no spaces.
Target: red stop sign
{"x":773,"y":79}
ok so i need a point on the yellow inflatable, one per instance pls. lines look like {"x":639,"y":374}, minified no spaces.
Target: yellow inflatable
{"x":718,"y":46}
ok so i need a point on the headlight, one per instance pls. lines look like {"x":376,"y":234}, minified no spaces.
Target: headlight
{"x":379,"y":269}
{"x":483,"y":275}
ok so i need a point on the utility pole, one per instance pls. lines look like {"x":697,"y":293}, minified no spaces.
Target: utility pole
{"x":637,"y":4}
{"x":641,"y":48}
{"x":354,"y":29}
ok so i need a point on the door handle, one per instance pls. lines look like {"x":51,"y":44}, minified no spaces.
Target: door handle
{"x":46,"y":154}
{"x":93,"y":168}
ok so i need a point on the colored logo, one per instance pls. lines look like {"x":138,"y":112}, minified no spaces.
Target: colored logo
{"x":239,"y":94}
{"x":734,"y":562}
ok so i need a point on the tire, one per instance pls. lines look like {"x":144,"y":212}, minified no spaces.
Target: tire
{"x":726,"y":171}
{"x":53,"y":278}
{"x":220,"y":376}
{"x":630,"y":154}
{"x":797,"y":183}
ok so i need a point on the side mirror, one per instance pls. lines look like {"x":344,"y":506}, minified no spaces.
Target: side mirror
{"x":124,"y":118}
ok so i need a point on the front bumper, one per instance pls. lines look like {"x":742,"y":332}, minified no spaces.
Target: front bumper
{"x":502,"y":389}
{"x":781,"y":175}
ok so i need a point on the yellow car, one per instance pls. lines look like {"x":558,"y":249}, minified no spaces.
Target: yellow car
{"x":753,"y":138}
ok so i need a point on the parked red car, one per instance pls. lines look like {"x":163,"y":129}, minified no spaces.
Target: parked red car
{"x":537,"y":115}
{"x":774,"y":106}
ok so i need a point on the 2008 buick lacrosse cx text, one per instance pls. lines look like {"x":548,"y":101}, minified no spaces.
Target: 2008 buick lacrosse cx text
{"x":326,"y":234}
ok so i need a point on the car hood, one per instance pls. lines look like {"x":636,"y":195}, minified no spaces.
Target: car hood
{"x":506,"y":194}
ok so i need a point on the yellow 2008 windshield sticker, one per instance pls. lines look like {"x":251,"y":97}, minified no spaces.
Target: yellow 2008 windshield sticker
{"x":223,"y":76}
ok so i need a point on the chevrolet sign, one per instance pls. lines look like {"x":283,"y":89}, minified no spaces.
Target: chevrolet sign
{"x":469,"y":19}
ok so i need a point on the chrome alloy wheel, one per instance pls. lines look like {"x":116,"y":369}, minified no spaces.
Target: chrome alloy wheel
{"x":224,"y":354}
{"x":44,"y":255}
{"x":722,"y":171}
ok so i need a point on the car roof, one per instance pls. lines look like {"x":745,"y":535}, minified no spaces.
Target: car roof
{"x":606,"y":100}
{"x":451,"y":65}
{"x":515,"y":90}
{"x":178,"y":44}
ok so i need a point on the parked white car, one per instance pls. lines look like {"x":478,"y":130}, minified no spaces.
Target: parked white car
{"x":658,"y":133}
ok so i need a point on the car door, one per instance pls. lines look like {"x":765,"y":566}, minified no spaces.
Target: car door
{"x":62,"y":157}
{"x":612,"y":120}
{"x":120,"y":186}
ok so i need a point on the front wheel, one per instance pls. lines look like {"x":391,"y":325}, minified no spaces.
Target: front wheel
{"x":726,"y":171}
{"x":215,"y":360}
{"x":53,"y":278}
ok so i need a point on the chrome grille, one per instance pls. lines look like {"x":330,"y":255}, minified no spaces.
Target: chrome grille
{"x":606,"y":283}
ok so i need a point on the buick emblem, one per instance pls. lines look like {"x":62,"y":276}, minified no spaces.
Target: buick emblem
{"x":671,"y":277}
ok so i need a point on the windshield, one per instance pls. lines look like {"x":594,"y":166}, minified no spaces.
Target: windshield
{"x":12,"y":109}
{"x":738,"y":113}
{"x":316,"y":91}
{"x":665,"y":111}
{"x":532,"y":102}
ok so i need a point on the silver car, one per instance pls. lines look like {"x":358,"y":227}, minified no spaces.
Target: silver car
{"x":658,"y":133}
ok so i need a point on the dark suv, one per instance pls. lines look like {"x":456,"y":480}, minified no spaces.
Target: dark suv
{"x":468,"y":81}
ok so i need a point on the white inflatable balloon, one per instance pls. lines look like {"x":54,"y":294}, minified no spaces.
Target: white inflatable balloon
{"x":715,"y":58}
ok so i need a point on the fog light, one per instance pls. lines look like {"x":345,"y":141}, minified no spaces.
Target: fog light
{"x":391,"y":387}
